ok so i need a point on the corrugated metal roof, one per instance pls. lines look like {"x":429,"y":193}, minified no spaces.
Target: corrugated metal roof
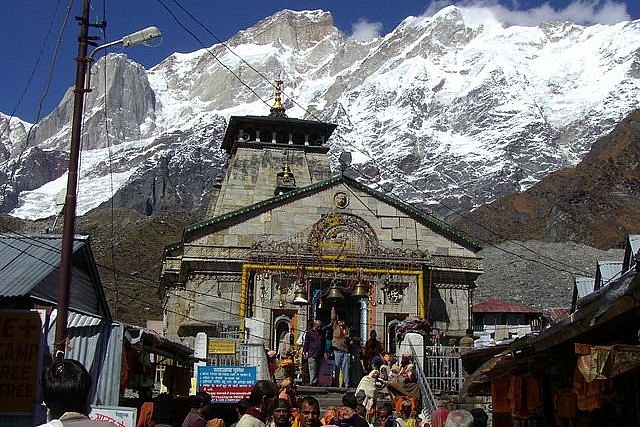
{"x":97,"y":344}
{"x":500,"y":306}
{"x":630,"y":251}
{"x":584,"y":285}
{"x":556,"y":314}
{"x":77,"y":320}
{"x":29,"y":267}
{"x":25,"y":261}
{"x":607,"y":271}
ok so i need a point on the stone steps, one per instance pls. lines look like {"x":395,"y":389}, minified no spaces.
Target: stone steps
{"x":327,"y":396}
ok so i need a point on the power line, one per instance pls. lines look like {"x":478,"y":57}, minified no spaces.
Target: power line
{"x":395,"y":174}
{"x":413,"y":186}
{"x":226,"y":46}
{"x":44,"y":93}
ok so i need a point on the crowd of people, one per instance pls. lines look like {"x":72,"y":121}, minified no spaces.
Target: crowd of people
{"x":388,"y":395}
{"x":266,"y":407}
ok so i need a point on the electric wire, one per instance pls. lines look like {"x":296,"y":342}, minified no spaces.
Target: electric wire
{"x":361,"y":151}
{"x":382,"y":168}
{"x":52,"y":66}
{"x":152,"y":283}
{"x":106,"y":111}
{"x":395,"y":174}
{"x":399,"y":177}
{"x":33,"y":72}
{"x":139,"y":280}
{"x":251,"y":67}
{"x":173,"y":15}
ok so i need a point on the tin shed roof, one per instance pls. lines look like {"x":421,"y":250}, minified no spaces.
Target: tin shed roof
{"x":29,"y":268}
{"x":500,"y":306}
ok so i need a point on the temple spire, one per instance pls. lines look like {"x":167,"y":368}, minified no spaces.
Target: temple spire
{"x":278,"y":110}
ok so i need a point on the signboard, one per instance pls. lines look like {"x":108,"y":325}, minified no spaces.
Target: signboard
{"x":222,"y":346}
{"x":121,"y":416}
{"x":20,"y":347}
{"x":226,"y":384}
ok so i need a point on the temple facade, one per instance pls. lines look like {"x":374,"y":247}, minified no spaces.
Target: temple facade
{"x":285,"y":240}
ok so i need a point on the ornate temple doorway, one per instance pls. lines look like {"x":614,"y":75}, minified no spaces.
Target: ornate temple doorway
{"x":324,"y":298}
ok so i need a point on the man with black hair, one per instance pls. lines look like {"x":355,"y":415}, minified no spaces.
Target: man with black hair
{"x":340,"y":345}
{"x":385,"y":416}
{"x":281,"y":416}
{"x":196,"y":418}
{"x":313,"y":349}
{"x":349,"y":400}
{"x":164,"y":410}
{"x":261,"y":401}
{"x":309,"y":412}
{"x":66,"y":390}
{"x":241,"y":409}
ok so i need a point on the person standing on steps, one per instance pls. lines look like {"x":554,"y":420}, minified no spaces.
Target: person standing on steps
{"x":313,"y":349}
{"x":340,"y":346}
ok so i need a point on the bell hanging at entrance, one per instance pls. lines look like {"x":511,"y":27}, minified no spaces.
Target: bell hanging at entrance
{"x":334,"y":292}
{"x":360,"y":291}
{"x":300,"y":297}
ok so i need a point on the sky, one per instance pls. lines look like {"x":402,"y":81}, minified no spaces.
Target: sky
{"x":39,"y":37}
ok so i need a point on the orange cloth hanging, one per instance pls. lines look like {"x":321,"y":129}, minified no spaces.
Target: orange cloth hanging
{"x":500,"y":397}
{"x":534,"y":394}
{"x":518,"y":398}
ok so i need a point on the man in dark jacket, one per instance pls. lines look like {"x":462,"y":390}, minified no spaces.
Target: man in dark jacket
{"x":195,"y":418}
{"x":314,"y":350}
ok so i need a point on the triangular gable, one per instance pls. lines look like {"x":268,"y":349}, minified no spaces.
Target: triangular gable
{"x":630,"y":251}
{"x":231,"y":218}
{"x":606,"y":272}
{"x":30,"y":268}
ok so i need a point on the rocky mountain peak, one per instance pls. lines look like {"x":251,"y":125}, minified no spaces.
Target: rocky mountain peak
{"x":449,"y":112}
{"x":293,"y":29}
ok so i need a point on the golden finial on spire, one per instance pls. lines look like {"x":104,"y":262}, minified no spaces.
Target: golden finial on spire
{"x":286,"y":171}
{"x":277,"y":110}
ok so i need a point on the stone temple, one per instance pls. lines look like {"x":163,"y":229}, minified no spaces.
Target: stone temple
{"x":285,"y":240}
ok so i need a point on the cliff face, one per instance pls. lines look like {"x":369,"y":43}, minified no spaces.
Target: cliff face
{"x":596,"y":203}
{"x":449,"y":112}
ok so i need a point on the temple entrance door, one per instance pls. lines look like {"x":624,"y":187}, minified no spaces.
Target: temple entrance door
{"x":347,"y":308}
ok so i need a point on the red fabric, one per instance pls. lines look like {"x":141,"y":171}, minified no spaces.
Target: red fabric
{"x":500,"y":396}
{"x":145,"y":419}
{"x":438,"y":417}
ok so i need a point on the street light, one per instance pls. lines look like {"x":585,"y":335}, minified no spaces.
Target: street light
{"x":68,"y":227}
{"x":150,"y":36}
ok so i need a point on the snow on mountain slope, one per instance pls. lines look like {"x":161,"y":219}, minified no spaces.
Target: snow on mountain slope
{"x":450,"y":111}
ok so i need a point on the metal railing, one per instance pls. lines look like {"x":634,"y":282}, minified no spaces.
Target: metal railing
{"x":443,"y":368}
{"x":428,"y":400}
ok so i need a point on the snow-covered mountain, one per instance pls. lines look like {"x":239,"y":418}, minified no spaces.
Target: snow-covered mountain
{"x":450,"y":111}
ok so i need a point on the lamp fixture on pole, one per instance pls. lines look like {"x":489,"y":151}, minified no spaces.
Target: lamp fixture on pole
{"x":68,"y":227}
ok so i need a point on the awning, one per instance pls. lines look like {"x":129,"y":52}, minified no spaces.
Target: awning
{"x":600,"y":362}
{"x":153,"y":342}
{"x":607,"y":314}
{"x":504,"y":364}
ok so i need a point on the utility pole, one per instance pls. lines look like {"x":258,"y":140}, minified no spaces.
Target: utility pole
{"x":145,"y":36}
{"x":68,"y":226}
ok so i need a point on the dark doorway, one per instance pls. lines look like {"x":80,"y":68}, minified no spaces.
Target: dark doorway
{"x":347,"y":307}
